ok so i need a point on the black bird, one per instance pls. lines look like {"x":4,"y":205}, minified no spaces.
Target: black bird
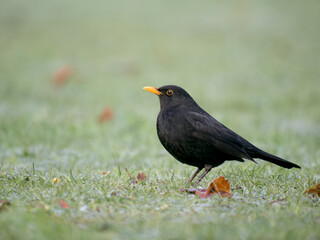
{"x":195,"y":138}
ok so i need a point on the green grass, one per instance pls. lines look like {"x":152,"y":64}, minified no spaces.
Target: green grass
{"x":253,"y":65}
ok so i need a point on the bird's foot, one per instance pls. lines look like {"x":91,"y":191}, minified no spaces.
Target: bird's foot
{"x":195,"y":174}
{"x":207,"y":169}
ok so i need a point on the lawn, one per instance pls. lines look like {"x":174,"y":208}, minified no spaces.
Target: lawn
{"x":253,"y":65}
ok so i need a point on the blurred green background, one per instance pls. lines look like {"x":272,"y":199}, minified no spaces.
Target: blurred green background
{"x":253,"y":65}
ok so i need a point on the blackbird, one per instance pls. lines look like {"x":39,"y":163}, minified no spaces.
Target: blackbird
{"x":195,"y":138}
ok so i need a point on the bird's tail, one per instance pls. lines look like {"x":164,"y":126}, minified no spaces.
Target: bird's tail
{"x":258,"y":153}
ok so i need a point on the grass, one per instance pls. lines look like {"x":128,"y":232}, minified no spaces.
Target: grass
{"x":252,"y":65}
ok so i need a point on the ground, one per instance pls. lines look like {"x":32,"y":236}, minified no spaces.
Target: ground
{"x":253,"y":65}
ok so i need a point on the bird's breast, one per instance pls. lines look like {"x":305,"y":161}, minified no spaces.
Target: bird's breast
{"x":171,"y":127}
{"x":174,"y":133}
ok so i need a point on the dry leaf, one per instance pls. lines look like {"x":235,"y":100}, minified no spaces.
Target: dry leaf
{"x":4,"y":204}
{"x":280,"y":201}
{"x":106,"y":115}
{"x":202,"y":193}
{"x":62,"y":75}
{"x":164,"y":207}
{"x":105,"y":173}
{"x":56,"y":180}
{"x":315,"y":190}
{"x":134,"y":181}
{"x":64,"y":204}
{"x":218,"y":186}
{"x":141,"y":176}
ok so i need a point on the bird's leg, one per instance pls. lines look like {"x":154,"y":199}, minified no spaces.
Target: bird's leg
{"x":207,"y":169}
{"x":195,"y":174}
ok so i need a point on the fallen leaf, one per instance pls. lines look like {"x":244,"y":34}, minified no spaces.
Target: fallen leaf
{"x":164,"y":207}
{"x":62,"y":75}
{"x":141,"y":176}
{"x":42,"y":204}
{"x":278,"y":201}
{"x":56,"y":180}
{"x":134,"y":181}
{"x":315,"y":190}
{"x":4,"y":204}
{"x":131,"y":198}
{"x":106,"y":115}
{"x":105,"y":173}
{"x":218,"y":186}
{"x":64,"y":204}
{"x":202,"y":193}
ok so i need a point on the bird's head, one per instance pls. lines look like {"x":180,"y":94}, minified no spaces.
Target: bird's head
{"x":172,"y":96}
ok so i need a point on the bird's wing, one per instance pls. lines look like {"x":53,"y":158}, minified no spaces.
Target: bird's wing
{"x":216,"y":134}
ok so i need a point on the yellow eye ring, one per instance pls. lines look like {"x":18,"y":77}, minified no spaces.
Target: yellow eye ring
{"x":169,"y":92}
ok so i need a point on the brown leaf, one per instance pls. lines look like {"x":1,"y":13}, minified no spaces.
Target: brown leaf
{"x":4,"y":204}
{"x":218,"y":185}
{"x":315,"y":190}
{"x":105,"y":173}
{"x":62,"y":75}
{"x":278,"y":201}
{"x":134,"y":181}
{"x":64,"y":204}
{"x":106,"y":115}
{"x":202,"y":193}
{"x":141,"y":176}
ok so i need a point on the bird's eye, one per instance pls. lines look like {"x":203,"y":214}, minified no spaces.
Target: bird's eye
{"x":169,"y":92}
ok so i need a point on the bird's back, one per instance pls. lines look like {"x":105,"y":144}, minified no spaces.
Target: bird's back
{"x":179,"y":138}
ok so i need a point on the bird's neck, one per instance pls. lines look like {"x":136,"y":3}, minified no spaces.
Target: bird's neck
{"x":187,"y":105}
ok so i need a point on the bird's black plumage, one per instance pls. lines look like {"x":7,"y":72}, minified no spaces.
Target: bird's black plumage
{"x":195,"y":138}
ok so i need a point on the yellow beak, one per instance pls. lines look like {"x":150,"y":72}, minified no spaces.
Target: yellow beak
{"x":153,"y":90}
